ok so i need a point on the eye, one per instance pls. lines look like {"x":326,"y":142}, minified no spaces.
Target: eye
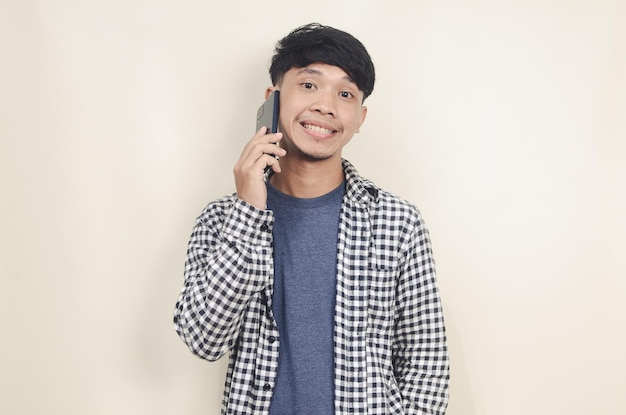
{"x":345,"y":94}
{"x":308,"y":85}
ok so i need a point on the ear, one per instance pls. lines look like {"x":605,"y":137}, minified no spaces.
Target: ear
{"x":269,"y":90}
{"x":363,"y":115}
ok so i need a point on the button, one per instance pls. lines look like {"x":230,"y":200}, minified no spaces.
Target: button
{"x":265,"y":228}
{"x":267,"y":387}
{"x":272,"y":339}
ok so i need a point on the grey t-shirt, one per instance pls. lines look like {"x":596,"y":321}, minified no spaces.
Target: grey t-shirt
{"x":303,"y":303}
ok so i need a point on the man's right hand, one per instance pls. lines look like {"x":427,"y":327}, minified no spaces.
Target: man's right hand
{"x":260,"y":152}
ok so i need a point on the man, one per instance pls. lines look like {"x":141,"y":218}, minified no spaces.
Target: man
{"x":320,"y":285}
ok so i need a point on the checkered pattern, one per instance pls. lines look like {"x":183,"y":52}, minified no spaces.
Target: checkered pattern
{"x":390,"y":342}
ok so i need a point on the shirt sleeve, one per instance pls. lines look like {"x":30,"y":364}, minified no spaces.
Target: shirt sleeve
{"x":229,"y":259}
{"x":420,"y":355}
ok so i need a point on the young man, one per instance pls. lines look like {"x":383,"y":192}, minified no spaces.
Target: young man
{"x":320,"y":285}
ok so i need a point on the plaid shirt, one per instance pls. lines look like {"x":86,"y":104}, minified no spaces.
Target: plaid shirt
{"x":389,"y":337}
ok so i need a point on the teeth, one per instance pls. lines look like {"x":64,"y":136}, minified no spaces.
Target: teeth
{"x":317,"y":129}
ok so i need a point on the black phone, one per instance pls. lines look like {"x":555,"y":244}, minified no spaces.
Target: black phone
{"x":267,"y":114}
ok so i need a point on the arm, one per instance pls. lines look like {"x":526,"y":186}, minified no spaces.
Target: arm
{"x":420,"y":353}
{"x":229,"y":259}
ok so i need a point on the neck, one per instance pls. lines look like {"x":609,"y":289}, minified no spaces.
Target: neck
{"x":308,"y":179}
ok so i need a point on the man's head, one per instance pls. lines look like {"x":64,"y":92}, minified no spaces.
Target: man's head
{"x":315,"y":43}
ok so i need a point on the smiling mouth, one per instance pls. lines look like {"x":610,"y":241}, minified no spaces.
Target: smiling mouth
{"x":317,"y":129}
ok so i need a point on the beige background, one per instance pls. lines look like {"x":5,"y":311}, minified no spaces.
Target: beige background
{"x":504,"y":123}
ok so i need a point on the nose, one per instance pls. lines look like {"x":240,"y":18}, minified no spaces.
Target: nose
{"x":324,"y":104}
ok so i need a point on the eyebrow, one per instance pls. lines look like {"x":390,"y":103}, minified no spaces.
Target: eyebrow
{"x":313,"y":71}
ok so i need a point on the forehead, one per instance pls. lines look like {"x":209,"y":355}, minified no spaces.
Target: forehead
{"x":321,"y":70}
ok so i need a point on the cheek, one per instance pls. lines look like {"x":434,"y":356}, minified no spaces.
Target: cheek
{"x":285,"y":122}
{"x":354,"y":116}
{"x":286,"y":114}
{"x":355,"y":123}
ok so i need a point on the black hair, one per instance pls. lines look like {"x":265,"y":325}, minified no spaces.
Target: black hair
{"x":313,"y":43}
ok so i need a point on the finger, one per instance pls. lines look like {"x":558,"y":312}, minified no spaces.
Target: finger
{"x":274,"y":138}
{"x":269,"y":162}
{"x":275,"y":152}
{"x":252,"y":142}
{"x":273,"y":149}
{"x":265,"y":160}
{"x":256,"y":149}
{"x":259,"y":159}
{"x":259,"y":139}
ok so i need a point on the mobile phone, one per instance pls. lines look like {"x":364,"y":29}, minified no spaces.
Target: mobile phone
{"x":267,"y":114}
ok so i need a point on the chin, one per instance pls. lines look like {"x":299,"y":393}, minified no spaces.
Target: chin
{"x":314,"y":157}
{"x":307,"y":155}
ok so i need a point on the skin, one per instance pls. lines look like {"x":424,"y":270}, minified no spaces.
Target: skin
{"x":321,"y":110}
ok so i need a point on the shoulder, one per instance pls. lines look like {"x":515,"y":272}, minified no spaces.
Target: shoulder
{"x":381,"y":203}
{"x":394,"y":214}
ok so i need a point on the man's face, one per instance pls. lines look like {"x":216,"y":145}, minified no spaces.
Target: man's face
{"x":320,"y":110}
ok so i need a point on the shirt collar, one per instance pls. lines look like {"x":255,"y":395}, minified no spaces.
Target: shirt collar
{"x":358,"y":190}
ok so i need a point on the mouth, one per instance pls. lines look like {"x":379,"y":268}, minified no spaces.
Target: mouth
{"x":318,"y":129}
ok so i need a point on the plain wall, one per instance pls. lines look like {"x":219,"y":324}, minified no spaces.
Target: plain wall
{"x":504,"y":122}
